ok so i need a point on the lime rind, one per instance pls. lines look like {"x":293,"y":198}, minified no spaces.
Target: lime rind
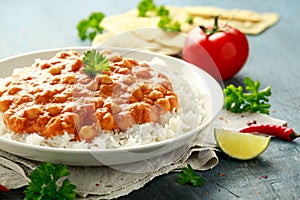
{"x":241,"y":146}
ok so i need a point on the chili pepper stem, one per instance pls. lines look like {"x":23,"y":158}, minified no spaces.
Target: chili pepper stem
{"x":294,"y":136}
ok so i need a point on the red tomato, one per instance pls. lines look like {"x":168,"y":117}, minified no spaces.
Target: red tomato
{"x":221,"y":53}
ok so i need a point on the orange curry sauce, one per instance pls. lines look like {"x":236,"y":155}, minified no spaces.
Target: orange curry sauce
{"x":54,"y":96}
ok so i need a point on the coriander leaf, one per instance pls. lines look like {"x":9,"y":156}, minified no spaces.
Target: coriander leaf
{"x":167,"y":24}
{"x":145,"y":6}
{"x":190,"y":20}
{"x":43,"y":183}
{"x":254,"y":100}
{"x":89,"y":28}
{"x":162,"y":11}
{"x":95,"y":63}
{"x":188,"y":175}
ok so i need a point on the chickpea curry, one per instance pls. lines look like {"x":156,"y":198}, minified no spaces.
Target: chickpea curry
{"x":56,"y":96}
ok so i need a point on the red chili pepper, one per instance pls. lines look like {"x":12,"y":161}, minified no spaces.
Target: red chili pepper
{"x":3,"y":188}
{"x":282,"y":132}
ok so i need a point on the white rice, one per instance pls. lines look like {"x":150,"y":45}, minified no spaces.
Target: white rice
{"x":191,"y":114}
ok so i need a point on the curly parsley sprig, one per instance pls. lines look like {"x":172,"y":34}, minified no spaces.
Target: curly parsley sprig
{"x":188,"y":175}
{"x":147,"y":8}
{"x":43,"y":184}
{"x":254,"y":100}
{"x":95,"y":63}
{"x":90,"y":27}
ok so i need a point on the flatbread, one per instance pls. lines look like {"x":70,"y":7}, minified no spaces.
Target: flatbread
{"x":127,"y":30}
{"x":247,"y":21}
{"x":135,"y":40}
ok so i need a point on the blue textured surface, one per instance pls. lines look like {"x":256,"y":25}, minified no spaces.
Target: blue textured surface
{"x":274,"y":60}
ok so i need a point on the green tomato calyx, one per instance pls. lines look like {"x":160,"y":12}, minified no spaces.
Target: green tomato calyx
{"x":215,"y":28}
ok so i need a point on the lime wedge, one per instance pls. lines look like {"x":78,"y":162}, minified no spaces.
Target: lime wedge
{"x":242,"y":146}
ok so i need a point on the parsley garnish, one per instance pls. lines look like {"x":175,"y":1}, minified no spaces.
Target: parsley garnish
{"x":146,"y":8}
{"x":167,"y":24}
{"x":190,"y":20}
{"x":162,"y":11}
{"x":95,"y":63}
{"x":254,"y":100}
{"x":89,"y":28}
{"x":188,"y":175}
{"x":43,"y":184}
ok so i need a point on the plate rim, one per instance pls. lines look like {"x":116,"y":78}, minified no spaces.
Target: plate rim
{"x":115,"y":150}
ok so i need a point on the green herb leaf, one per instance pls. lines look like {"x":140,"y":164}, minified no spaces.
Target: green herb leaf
{"x":188,"y":175}
{"x":145,"y":6}
{"x":89,"y":28}
{"x":43,"y":184}
{"x":95,"y":63}
{"x":190,"y":19}
{"x":167,"y":24}
{"x":254,"y":100}
{"x":162,"y":11}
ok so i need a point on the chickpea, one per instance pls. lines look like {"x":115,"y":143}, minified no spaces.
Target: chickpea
{"x":103,"y":79}
{"x":32,"y":113}
{"x":128,"y":80}
{"x":122,"y":70}
{"x":115,"y":108}
{"x":69,"y":79}
{"x":146,"y":115}
{"x":129,"y":63}
{"x":132,"y":99}
{"x":148,"y":101}
{"x":108,"y":121}
{"x":167,"y":85}
{"x":44,"y":65}
{"x":87,"y":133}
{"x":76,"y":65}
{"x":93,"y":86}
{"x":145,"y":73}
{"x":156,"y":95}
{"x":59,"y":98}
{"x":152,"y":114}
{"x":114,"y":57}
{"x":106,"y":89}
{"x":144,"y":65}
{"x":14,"y":90}
{"x":124,"y":120}
{"x":63,"y":54}
{"x":138,"y":94}
{"x":146,"y":89}
{"x":137,"y":111}
{"x":70,"y":119}
{"x":164,"y":103}
{"x":98,"y":102}
{"x":4,"y":104}
{"x":106,"y":52}
{"x":54,"y":110}
{"x":161,"y":89}
{"x":52,"y":127}
{"x":55,"y":70}
{"x":173,"y":101}
{"x":7,"y":83}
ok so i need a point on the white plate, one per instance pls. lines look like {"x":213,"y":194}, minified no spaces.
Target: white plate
{"x":84,"y":157}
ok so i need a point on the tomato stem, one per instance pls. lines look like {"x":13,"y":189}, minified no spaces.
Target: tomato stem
{"x":215,"y":28}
